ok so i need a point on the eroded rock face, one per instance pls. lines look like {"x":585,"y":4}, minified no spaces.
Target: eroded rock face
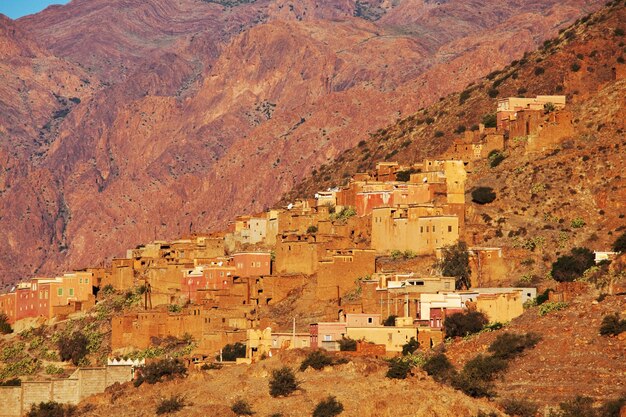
{"x":189,"y":113}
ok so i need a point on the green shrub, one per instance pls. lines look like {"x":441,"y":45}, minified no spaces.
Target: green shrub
{"x":575,"y":67}
{"x":547,"y":308}
{"x":484,"y":367}
{"x":398,"y":369}
{"x":620,"y":243}
{"x":390,"y":321}
{"x":157,"y":371}
{"x":73,"y":348}
{"x":460,"y":129}
{"x":14,"y":382}
{"x":283,"y":382}
{"x":477,"y":375}
{"x":316,"y":360}
{"x":473,"y":387}
{"x":618,"y":32}
{"x":539,"y":71}
{"x":578,"y":222}
{"x":455,"y":263}
{"x":405,"y":175}
{"x":465,"y":94}
{"x":312,"y":229}
{"x":347,"y":345}
{"x":612,"y":325}
{"x":578,"y":407}
{"x":493,"y":92}
{"x":51,"y":409}
{"x":520,"y":408}
{"x":612,"y":408}
{"x":509,"y":345}
{"x":439,"y":367}
{"x":231,"y":352}
{"x":108,"y":289}
{"x":490,"y":120}
{"x":495,"y":157}
{"x":329,"y":407}
{"x":174,"y":308}
{"x":438,"y":133}
{"x":549,"y":107}
{"x":5,"y":327}
{"x":569,"y":267}
{"x":411,"y":346}
{"x":483,"y":195}
{"x":242,"y":408}
{"x":465,"y":323}
{"x":170,"y":405}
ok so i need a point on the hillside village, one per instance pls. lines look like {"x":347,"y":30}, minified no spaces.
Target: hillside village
{"x":220,"y":288}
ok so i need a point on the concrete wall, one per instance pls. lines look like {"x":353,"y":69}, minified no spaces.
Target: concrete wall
{"x":11,"y":398}
{"x":66,"y":391}
{"x":15,"y":401}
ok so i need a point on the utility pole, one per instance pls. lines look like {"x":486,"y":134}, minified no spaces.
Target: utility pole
{"x":293,"y":335}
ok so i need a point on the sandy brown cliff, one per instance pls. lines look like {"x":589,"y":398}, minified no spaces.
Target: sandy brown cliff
{"x":202,"y":112}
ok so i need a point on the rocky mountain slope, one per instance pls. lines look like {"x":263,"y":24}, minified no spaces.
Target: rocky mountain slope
{"x":203,"y":111}
{"x":360,"y":385}
{"x":539,"y":194}
{"x":571,"y":359}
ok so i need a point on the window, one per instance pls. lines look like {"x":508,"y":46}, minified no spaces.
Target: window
{"x":421,"y":229}
{"x":433,"y":229}
{"x":71,"y":292}
{"x":60,"y":291}
{"x":449,"y":229}
{"x":86,"y":280}
{"x":370,"y":320}
{"x":80,"y":281}
{"x":328,"y":338}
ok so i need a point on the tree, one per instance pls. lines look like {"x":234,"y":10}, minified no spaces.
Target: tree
{"x":5,"y":327}
{"x":509,"y":345}
{"x":490,"y":120}
{"x":390,"y":321}
{"x":157,"y":371}
{"x":439,"y":367}
{"x":495,"y":157}
{"x":170,"y":405}
{"x":51,"y":409}
{"x":463,"y":324}
{"x":569,"y":267}
{"x":329,"y":407}
{"x":455,"y":263}
{"x":483,"y":195}
{"x":398,"y":369}
{"x":620,"y":243}
{"x":316,"y":360}
{"x":347,"y":345}
{"x":231,"y":352}
{"x":411,"y":346}
{"x":242,"y":408}
{"x":612,"y":325}
{"x":283,"y":382}
{"x":73,"y":347}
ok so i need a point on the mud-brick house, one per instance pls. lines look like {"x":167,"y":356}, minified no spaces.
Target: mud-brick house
{"x":413,"y":229}
{"x":252,"y":264}
{"x":509,"y":108}
{"x":393,"y":338}
{"x":327,"y":335}
{"x":8,"y":305}
{"x":338,"y":270}
{"x":500,"y":307}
